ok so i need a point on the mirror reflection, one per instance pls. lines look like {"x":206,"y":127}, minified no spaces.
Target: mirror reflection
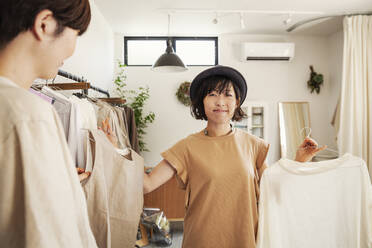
{"x":293,"y":118}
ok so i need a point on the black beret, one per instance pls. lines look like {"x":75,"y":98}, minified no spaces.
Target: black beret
{"x":219,"y":70}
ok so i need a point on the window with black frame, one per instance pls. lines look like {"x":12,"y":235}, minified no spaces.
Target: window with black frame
{"x":194,"y":51}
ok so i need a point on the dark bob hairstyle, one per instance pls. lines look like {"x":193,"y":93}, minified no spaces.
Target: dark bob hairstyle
{"x":17,"y":16}
{"x":219,"y":84}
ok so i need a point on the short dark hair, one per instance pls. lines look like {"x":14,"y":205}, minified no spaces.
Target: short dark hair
{"x":17,"y":16}
{"x":218,"y":83}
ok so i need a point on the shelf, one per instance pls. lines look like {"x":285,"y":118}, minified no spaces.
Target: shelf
{"x":256,"y":120}
{"x":241,"y":126}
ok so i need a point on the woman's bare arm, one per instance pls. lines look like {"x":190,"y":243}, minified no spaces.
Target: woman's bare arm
{"x":158,"y":176}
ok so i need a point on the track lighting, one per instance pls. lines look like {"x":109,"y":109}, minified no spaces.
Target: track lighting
{"x":215,"y":20}
{"x":242,"y":24}
{"x":288,"y":20}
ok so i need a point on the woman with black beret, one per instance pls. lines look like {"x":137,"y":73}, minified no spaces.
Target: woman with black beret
{"x":219,"y":167}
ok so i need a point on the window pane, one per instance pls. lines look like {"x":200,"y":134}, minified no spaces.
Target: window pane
{"x":196,"y":52}
{"x":144,"y":52}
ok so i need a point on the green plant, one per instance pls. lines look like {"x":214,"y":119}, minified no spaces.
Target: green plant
{"x":315,"y":81}
{"x":136,"y":99}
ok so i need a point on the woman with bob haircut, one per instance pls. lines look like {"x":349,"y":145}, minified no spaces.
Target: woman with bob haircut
{"x":42,"y":203}
{"x":220,"y":167}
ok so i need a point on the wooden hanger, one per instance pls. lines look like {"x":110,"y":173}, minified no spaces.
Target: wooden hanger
{"x":81,"y":86}
{"x":113,"y":100}
{"x":67,"y":86}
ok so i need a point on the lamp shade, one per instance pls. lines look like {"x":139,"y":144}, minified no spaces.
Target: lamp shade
{"x":169,"y":61}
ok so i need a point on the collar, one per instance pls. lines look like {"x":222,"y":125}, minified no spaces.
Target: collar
{"x":8,"y":82}
{"x":231,"y":130}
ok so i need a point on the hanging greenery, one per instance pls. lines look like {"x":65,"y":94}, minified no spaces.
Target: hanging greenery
{"x":315,"y":81}
{"x":183,"y":93}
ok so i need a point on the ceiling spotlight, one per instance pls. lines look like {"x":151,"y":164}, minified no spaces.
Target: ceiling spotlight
{"x":242,"y":24}
{"x":288,"y":20}
{"x":215,"y":20}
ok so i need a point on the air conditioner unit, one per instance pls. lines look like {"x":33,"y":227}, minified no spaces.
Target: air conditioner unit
{"x":267,"y":51}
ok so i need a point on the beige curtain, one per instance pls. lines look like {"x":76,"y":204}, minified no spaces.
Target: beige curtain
{"x":355,"y":127}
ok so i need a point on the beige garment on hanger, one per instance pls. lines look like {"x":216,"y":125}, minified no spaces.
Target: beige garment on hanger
{"x":114,"y":194}
{"x":120,"y":114}
{"x":106,"y":111}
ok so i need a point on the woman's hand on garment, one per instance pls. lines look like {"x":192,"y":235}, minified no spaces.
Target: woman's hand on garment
{"x":159,"y":175}
{"x":307,"y":150}
{"x":82,"y":174}
{"x":106,"y":128}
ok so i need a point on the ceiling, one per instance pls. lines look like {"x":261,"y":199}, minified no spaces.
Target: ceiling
{"x":194,"y":17}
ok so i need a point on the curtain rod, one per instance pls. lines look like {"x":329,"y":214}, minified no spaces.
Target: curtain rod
{"x":300,"y":23}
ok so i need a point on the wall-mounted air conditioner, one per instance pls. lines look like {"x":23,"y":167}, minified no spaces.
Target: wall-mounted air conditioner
{"x":267,"y":51}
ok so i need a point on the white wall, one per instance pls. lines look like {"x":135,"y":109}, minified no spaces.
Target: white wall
{"x":269,"y":81}
{"x":93,"y":58}
{"x":273,"y":81}
{"x":335,"y":46}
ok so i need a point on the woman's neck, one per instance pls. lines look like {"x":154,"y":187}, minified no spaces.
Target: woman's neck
{"x":215,"y":130}
{"x":16,"y":63}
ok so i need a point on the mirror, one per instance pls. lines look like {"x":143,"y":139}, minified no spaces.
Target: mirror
{"x":293,"y":117}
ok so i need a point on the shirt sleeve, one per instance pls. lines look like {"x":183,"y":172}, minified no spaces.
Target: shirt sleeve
{"x":263,"y":232}
{"x":262,"y":150}
{"x":178,"y":159}
{"x":367,"y":218}
{"x":41,"y":200}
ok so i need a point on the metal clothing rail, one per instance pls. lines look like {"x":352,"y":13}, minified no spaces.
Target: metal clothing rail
{"x":100,"y":90}
{"x":81,"y":79}
{"x":71,"y":76}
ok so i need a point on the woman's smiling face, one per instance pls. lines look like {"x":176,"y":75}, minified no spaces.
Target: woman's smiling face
{"x":219,"y":106}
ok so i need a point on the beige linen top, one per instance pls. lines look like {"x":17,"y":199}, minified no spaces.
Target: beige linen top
{"x":114,"y":193}
{"x":221,"y":177}
{"x":42,"y":203}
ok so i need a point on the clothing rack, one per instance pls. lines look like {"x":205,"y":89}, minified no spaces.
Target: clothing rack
{"x":81,"y":85}
{"x":85,"y":86}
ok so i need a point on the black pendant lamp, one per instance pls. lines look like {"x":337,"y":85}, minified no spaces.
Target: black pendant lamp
{"x":169,"y":61}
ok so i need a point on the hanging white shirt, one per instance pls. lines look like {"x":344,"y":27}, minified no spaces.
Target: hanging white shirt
{"x":324,"y":204}
{"x":85,"y":119}
{"x":62,"y":105}
{"x":42,"y":203}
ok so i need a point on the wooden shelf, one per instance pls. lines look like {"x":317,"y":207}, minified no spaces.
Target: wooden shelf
{"x":241,"y":126}
{"x":168,"y":198}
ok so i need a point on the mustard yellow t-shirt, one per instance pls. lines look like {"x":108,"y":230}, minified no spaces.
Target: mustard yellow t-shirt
{"x":221,"y":178}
